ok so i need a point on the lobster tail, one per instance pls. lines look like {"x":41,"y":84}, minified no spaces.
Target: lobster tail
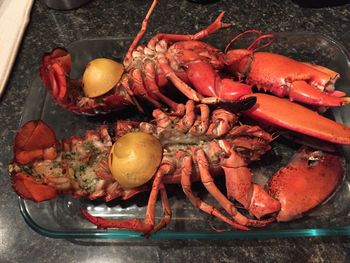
{"x":28,"y":188}
{"x":54,"y":70}
{"x":68,"y":93}
{"x":32,"y":141}
{"x":43,"y":167}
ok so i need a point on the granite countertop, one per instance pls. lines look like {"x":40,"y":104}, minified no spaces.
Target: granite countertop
{"x":50,"y":28}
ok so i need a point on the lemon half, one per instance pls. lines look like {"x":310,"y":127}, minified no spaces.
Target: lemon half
{"x":135,"y":158}
{"x":100,"y":76}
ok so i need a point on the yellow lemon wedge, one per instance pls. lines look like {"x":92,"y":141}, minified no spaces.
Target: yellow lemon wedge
{"x":100,"y":76}
{"x":135,"y":158}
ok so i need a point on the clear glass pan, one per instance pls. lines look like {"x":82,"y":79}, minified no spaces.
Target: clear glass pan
{"x":61,"y":218}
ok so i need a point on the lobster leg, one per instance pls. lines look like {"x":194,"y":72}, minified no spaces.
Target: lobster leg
{"x":221,"y":122}
{"x":146,"y":225}
{"x":215,"y":26}
{"x":152,"y":87}
{"x":140,"y":34}
{"x":188,"y":118}
{"x":132,"y":224}
{"x":186,"y":170}
{"x":201,"y":125}
{"x":140,"y":89}
{"x":166,"y":212}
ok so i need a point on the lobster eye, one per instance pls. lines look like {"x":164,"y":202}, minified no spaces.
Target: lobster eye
{"x":100,"y":76}
{"x":134,"y":159}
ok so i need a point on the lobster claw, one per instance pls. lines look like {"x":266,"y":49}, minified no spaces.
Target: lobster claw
{"x":307,"y":181}
{"x":285,"y":77}
{"x":285,"y":114}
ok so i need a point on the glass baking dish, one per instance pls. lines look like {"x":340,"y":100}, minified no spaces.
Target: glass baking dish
{"x":61,"y":218}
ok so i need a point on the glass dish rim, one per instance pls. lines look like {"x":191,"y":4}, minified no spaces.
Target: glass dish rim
{"x":169,"y":235}
{"x":196,"y":235}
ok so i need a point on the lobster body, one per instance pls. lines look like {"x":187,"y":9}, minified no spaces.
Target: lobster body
{"x":199,"y":71}
{"x":181,"y":60}
{"x":197,"y":146}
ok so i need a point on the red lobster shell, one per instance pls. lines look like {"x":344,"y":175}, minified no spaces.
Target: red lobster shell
{"x":198,"y":70}
{"x":197,"y":146}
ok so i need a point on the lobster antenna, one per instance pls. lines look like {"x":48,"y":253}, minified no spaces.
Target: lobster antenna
{"x":140,"y":34}
{"x":259,"y":33}
{"x":255,"y":46}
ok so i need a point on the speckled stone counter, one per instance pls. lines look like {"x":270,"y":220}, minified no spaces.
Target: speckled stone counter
{"x":99,"y":18}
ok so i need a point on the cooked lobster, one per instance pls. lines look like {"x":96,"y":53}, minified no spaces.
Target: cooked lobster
{"x":199,"y":71}
{"x":197,"y":146}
